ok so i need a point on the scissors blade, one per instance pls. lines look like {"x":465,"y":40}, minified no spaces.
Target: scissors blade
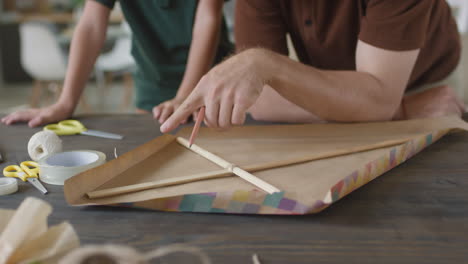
{"x":97,"y":133}
{"x":36,"y":183}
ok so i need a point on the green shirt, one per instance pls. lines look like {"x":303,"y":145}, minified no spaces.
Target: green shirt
{"x":161,"y":38}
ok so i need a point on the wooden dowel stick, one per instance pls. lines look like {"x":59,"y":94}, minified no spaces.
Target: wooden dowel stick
{"x":324,"y":155}
{"x":229,"y":166}
{"x":251,"y":168}
{"x":205,"y":153}
{"x":160,"y":183}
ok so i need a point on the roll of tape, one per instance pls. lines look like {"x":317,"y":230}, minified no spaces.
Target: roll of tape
{"x":8,"y":186}
{"x":58,"y":167}
{"x":44,"y":143}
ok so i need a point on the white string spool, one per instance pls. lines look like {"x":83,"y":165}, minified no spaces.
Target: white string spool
{"x":44,"y":143}
{"x":56,"y":168}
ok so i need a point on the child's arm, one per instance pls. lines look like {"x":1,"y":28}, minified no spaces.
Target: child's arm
{"x":205,"y":39}
{"x":86,"y":45}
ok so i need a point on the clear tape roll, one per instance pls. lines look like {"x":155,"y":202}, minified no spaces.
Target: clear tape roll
{"x":8,"y":186}
{"x":58,"y":167}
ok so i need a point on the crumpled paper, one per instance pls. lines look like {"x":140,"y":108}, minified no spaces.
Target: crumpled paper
{"x":26,"y":238}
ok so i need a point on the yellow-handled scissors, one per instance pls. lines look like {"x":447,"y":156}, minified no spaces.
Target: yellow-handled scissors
{"x":73,"y":127}
{"x":26,"y":171}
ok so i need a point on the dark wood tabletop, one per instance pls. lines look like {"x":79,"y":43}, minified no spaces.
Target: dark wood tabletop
{"x":416,"y":213}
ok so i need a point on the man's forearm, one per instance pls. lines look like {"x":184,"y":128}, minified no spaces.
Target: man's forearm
{"x":283,"y":110}
{"x":331,"y":95}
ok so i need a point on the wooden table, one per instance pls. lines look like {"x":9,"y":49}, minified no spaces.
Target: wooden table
{"x":416,"y":213}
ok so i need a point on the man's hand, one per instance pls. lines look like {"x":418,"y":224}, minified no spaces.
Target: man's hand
{"x":227,"y":92}
{"x":439,"y":101}
{"x":39,"y":116}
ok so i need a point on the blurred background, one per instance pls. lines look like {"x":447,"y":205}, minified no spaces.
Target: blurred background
{"x":31,"y":30}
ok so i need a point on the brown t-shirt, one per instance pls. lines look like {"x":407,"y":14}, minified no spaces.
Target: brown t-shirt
{"x":325,"y":32}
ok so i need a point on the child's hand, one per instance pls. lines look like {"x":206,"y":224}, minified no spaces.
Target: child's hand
{"x":39,"y":116}
{"x":164,"y":110}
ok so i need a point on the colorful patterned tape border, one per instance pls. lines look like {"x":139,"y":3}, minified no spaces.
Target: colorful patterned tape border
{"x":256,"y":202}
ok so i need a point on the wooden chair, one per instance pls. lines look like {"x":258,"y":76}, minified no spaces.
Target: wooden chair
{"x":118,"y":61}
{"x":43,"y":59}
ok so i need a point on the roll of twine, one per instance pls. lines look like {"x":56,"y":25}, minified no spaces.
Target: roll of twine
{"x":43,"y":143}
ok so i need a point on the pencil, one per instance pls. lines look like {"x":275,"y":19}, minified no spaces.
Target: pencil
{"x":200,"y":117}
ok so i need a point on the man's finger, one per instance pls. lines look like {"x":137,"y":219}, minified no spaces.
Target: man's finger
{"x":211,"y":114}
{"x":238,"y":115}
{"x":191,"y":104}
{"x":194,"y":116}
{"x":225,"y":114}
